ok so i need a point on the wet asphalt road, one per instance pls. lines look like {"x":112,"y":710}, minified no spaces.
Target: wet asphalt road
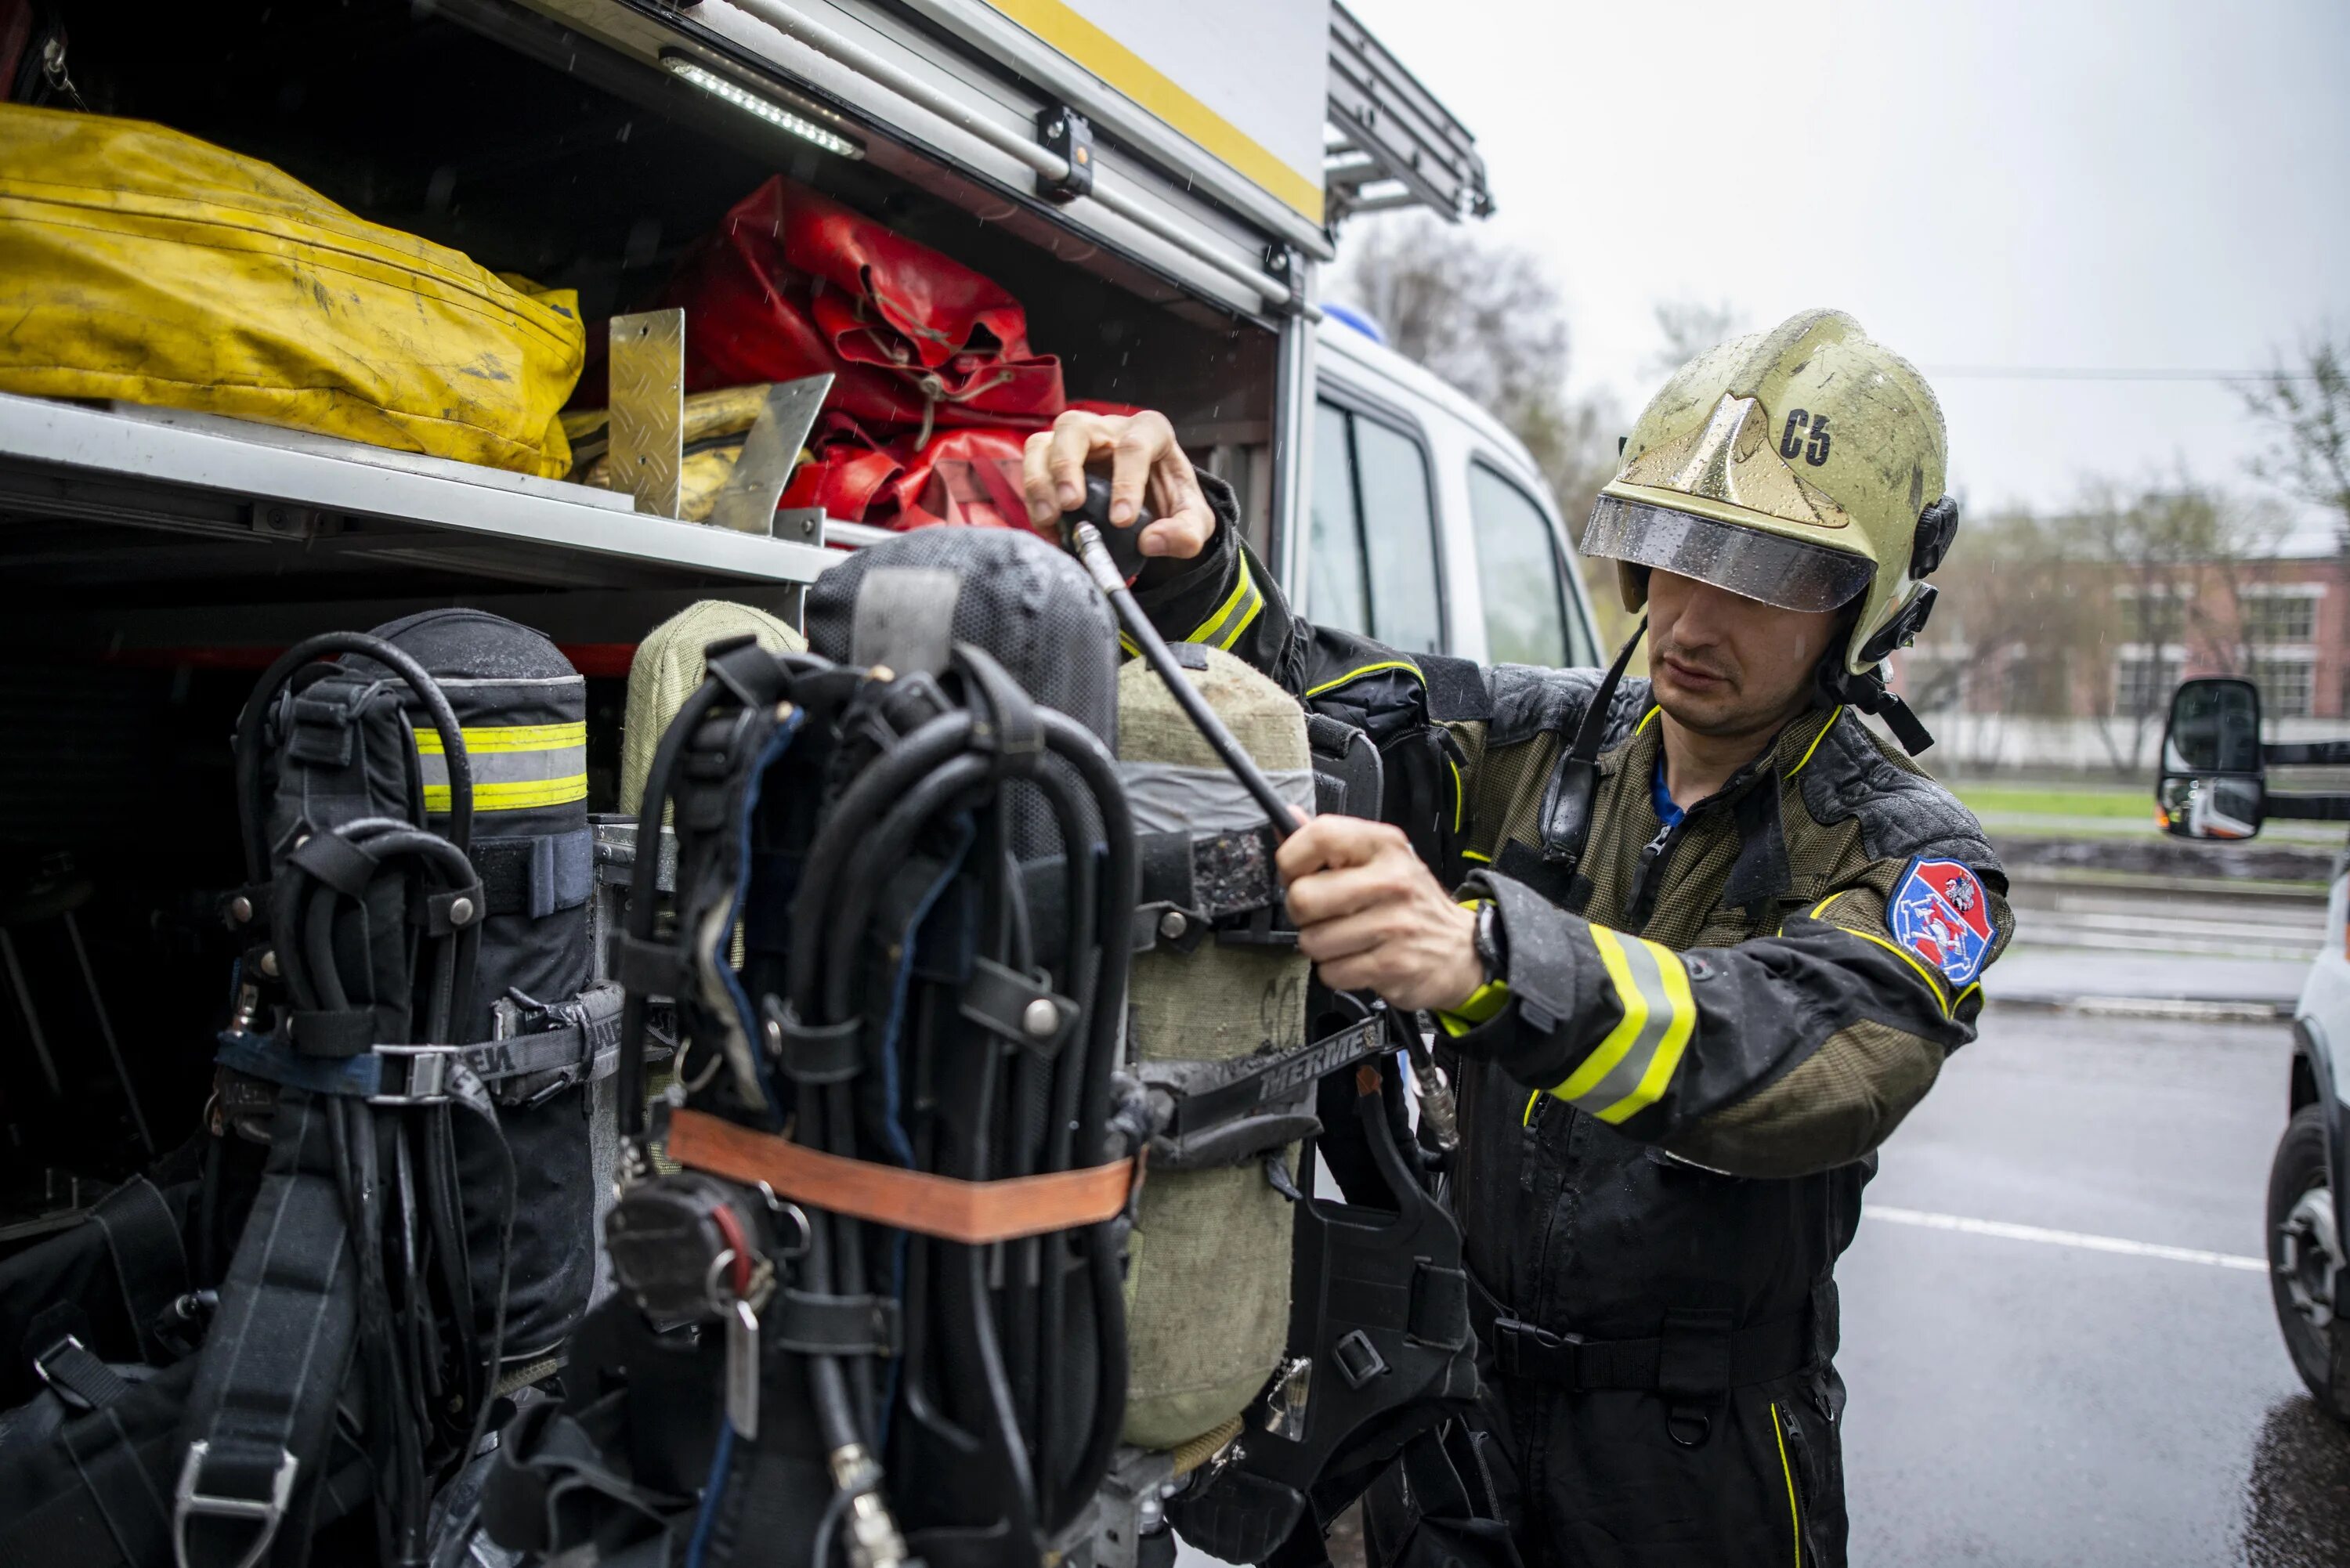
{"x":2020,"y":1402}
{"x":2036,"y":1401}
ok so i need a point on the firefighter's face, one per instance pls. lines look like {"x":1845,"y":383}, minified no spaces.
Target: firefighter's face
{"x":1724,"y":664}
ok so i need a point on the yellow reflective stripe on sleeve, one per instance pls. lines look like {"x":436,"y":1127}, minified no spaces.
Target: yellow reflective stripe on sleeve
{"x":1667,"y":1056}
{"x":489,"y":739}
{"x":1459,"y":792}
{"x":1362,"y":670}
{"x":514,"y":794}
{"x":1634,"y":1065}
{"x":1974,"y":990}
{"x":1473,"y":855}
{"x":1241,"y":607}
{"x":1526,"y":1116}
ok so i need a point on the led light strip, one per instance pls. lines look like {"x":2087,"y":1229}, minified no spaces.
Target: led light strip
{"x":774,"y":114}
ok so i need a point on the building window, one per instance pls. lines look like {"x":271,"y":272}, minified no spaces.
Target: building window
{"x":2285,"y":687}
{"x":2156,"y":614}
{"x":2275,"y":618}
{"x":2142,"y":683}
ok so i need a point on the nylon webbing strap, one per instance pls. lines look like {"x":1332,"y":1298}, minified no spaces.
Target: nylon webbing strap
{"x":277,"y":1356}
{"x":538,"y":875}
{"x":1247,"y":1084}
{"x":971,"y":1212}
{"x":108,"y":1462}
{"x":149,"y":1263}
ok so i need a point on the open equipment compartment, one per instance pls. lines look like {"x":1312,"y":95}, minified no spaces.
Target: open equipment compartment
{"x":151,"y":561}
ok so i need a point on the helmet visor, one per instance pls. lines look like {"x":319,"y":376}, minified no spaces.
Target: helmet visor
{"x":1772,"y":568}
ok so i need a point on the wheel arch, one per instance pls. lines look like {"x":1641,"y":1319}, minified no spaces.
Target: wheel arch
{"x":2312,"y":1083}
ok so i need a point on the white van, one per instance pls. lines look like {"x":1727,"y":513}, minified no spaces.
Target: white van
{"x":1432,"y":529}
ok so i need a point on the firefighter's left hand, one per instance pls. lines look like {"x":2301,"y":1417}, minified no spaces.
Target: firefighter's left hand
{"x":1372,"y":917}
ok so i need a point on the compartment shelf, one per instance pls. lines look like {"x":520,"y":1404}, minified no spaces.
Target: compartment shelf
{"x":150,"y":509}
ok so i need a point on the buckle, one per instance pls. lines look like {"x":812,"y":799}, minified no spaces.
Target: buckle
{"x":1523,"y":1350}
{"x":424,"y":1083}
{"x":187,"y":1503}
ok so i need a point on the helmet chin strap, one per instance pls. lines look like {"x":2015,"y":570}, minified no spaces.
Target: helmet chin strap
{"x":1833,"y":684}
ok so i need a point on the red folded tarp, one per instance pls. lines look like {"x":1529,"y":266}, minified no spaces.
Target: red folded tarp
{"x":793,"y":283}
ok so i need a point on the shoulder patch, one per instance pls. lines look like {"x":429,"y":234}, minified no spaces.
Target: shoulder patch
{"x":1938,"y":911}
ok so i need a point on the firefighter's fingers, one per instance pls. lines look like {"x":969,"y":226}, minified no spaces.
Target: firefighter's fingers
{"x":1186,"y":522}
{"x":1077,"y":438}
{"x":1364,"y":931}
{"x":1037,"y":479}
{"x":1341,"y":891}
{"x":1145,"y":444}
{"x":1331,"y":840}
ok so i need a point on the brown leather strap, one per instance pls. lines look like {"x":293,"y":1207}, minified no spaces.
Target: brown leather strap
{"x":973,"y":1212}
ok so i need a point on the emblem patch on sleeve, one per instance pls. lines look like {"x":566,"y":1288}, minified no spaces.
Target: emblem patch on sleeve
{"x":1939,"y":913}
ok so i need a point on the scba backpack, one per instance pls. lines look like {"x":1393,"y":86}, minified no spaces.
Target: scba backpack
{"x":405,"y":1171}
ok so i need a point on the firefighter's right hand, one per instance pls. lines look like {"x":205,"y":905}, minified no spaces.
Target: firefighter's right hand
{"x":1144,"y":459}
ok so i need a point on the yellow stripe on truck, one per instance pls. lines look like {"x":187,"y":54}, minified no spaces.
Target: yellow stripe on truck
{"x":1061,"y":26}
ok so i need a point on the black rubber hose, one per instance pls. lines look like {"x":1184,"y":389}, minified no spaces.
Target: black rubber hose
{"x":644,"y":888}
{"x":878,"y":786}
{"x":264,"y":692}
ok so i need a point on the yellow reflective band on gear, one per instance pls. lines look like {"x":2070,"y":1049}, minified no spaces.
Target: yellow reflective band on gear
{"x":1473,"y":855}
{"x":1787,"y":1472}
{"x":1632,"y":1066}
{"x":1231,"y":617}
{"x":1128,"y":645}
{"x":1933,"y":981}
{"x":1645,"y":718}
{"x":514,"y":794}
{"x":1482,"y":1004}
{"x":1362,"y":670}
{"x":1667,"y":1056}
{"x":1974,"y":990}
{"x":489,"y":739}
{"x":1526,"y":1117}
{"x":1459,"y":792}
{"x":1834,"y":713}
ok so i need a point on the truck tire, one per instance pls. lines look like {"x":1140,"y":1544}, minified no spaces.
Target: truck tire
{"x":2307,"y":1276}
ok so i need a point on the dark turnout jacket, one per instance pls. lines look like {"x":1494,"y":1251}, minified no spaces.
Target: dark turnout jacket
{"x":1669,"y":1105}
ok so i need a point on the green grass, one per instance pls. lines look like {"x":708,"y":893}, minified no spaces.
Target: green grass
{"x":2132,"y":802}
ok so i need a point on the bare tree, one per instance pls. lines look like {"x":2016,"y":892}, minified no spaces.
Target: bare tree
{"x":1487,"y":318}
{"x":2163,"y":549}
{"x":1690,"y":327}
{"x":2304,"y":407}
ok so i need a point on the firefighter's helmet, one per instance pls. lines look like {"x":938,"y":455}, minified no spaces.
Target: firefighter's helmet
{"x":1802,"y":466}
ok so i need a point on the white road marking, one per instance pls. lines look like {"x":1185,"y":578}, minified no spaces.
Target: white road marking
{"x":2007,"y":1232}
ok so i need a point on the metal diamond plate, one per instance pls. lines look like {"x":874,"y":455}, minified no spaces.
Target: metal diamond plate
{"x":648,"y":407}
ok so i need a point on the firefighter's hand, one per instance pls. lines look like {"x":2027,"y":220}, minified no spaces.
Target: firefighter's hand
{"x":1144,"y":459}
{"x":1371,"y":916}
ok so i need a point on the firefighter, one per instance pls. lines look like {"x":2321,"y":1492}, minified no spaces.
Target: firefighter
{"x":1697,"y":944}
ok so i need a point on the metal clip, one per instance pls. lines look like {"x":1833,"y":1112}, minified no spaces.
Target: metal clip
{"x":187,"y":1503}
{"x":427,"y":1079}
{"x":742,"y":1369}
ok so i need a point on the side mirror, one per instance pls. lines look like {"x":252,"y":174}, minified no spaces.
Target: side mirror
{"x":2213,"y":785}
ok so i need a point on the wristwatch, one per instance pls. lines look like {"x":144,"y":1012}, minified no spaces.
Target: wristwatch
{"x":1491,"y":950}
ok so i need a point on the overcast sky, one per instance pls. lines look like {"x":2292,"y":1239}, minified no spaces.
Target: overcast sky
{"x":2073,"y":184}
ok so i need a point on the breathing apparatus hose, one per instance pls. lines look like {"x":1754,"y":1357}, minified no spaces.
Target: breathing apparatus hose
{"x":1090,"y":549}
{"x":897,"y":793}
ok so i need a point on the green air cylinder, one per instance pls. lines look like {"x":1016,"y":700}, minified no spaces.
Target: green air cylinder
{"x":1208,"y":1286}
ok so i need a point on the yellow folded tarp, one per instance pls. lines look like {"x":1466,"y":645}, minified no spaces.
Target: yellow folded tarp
{"x":141,"y":265}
